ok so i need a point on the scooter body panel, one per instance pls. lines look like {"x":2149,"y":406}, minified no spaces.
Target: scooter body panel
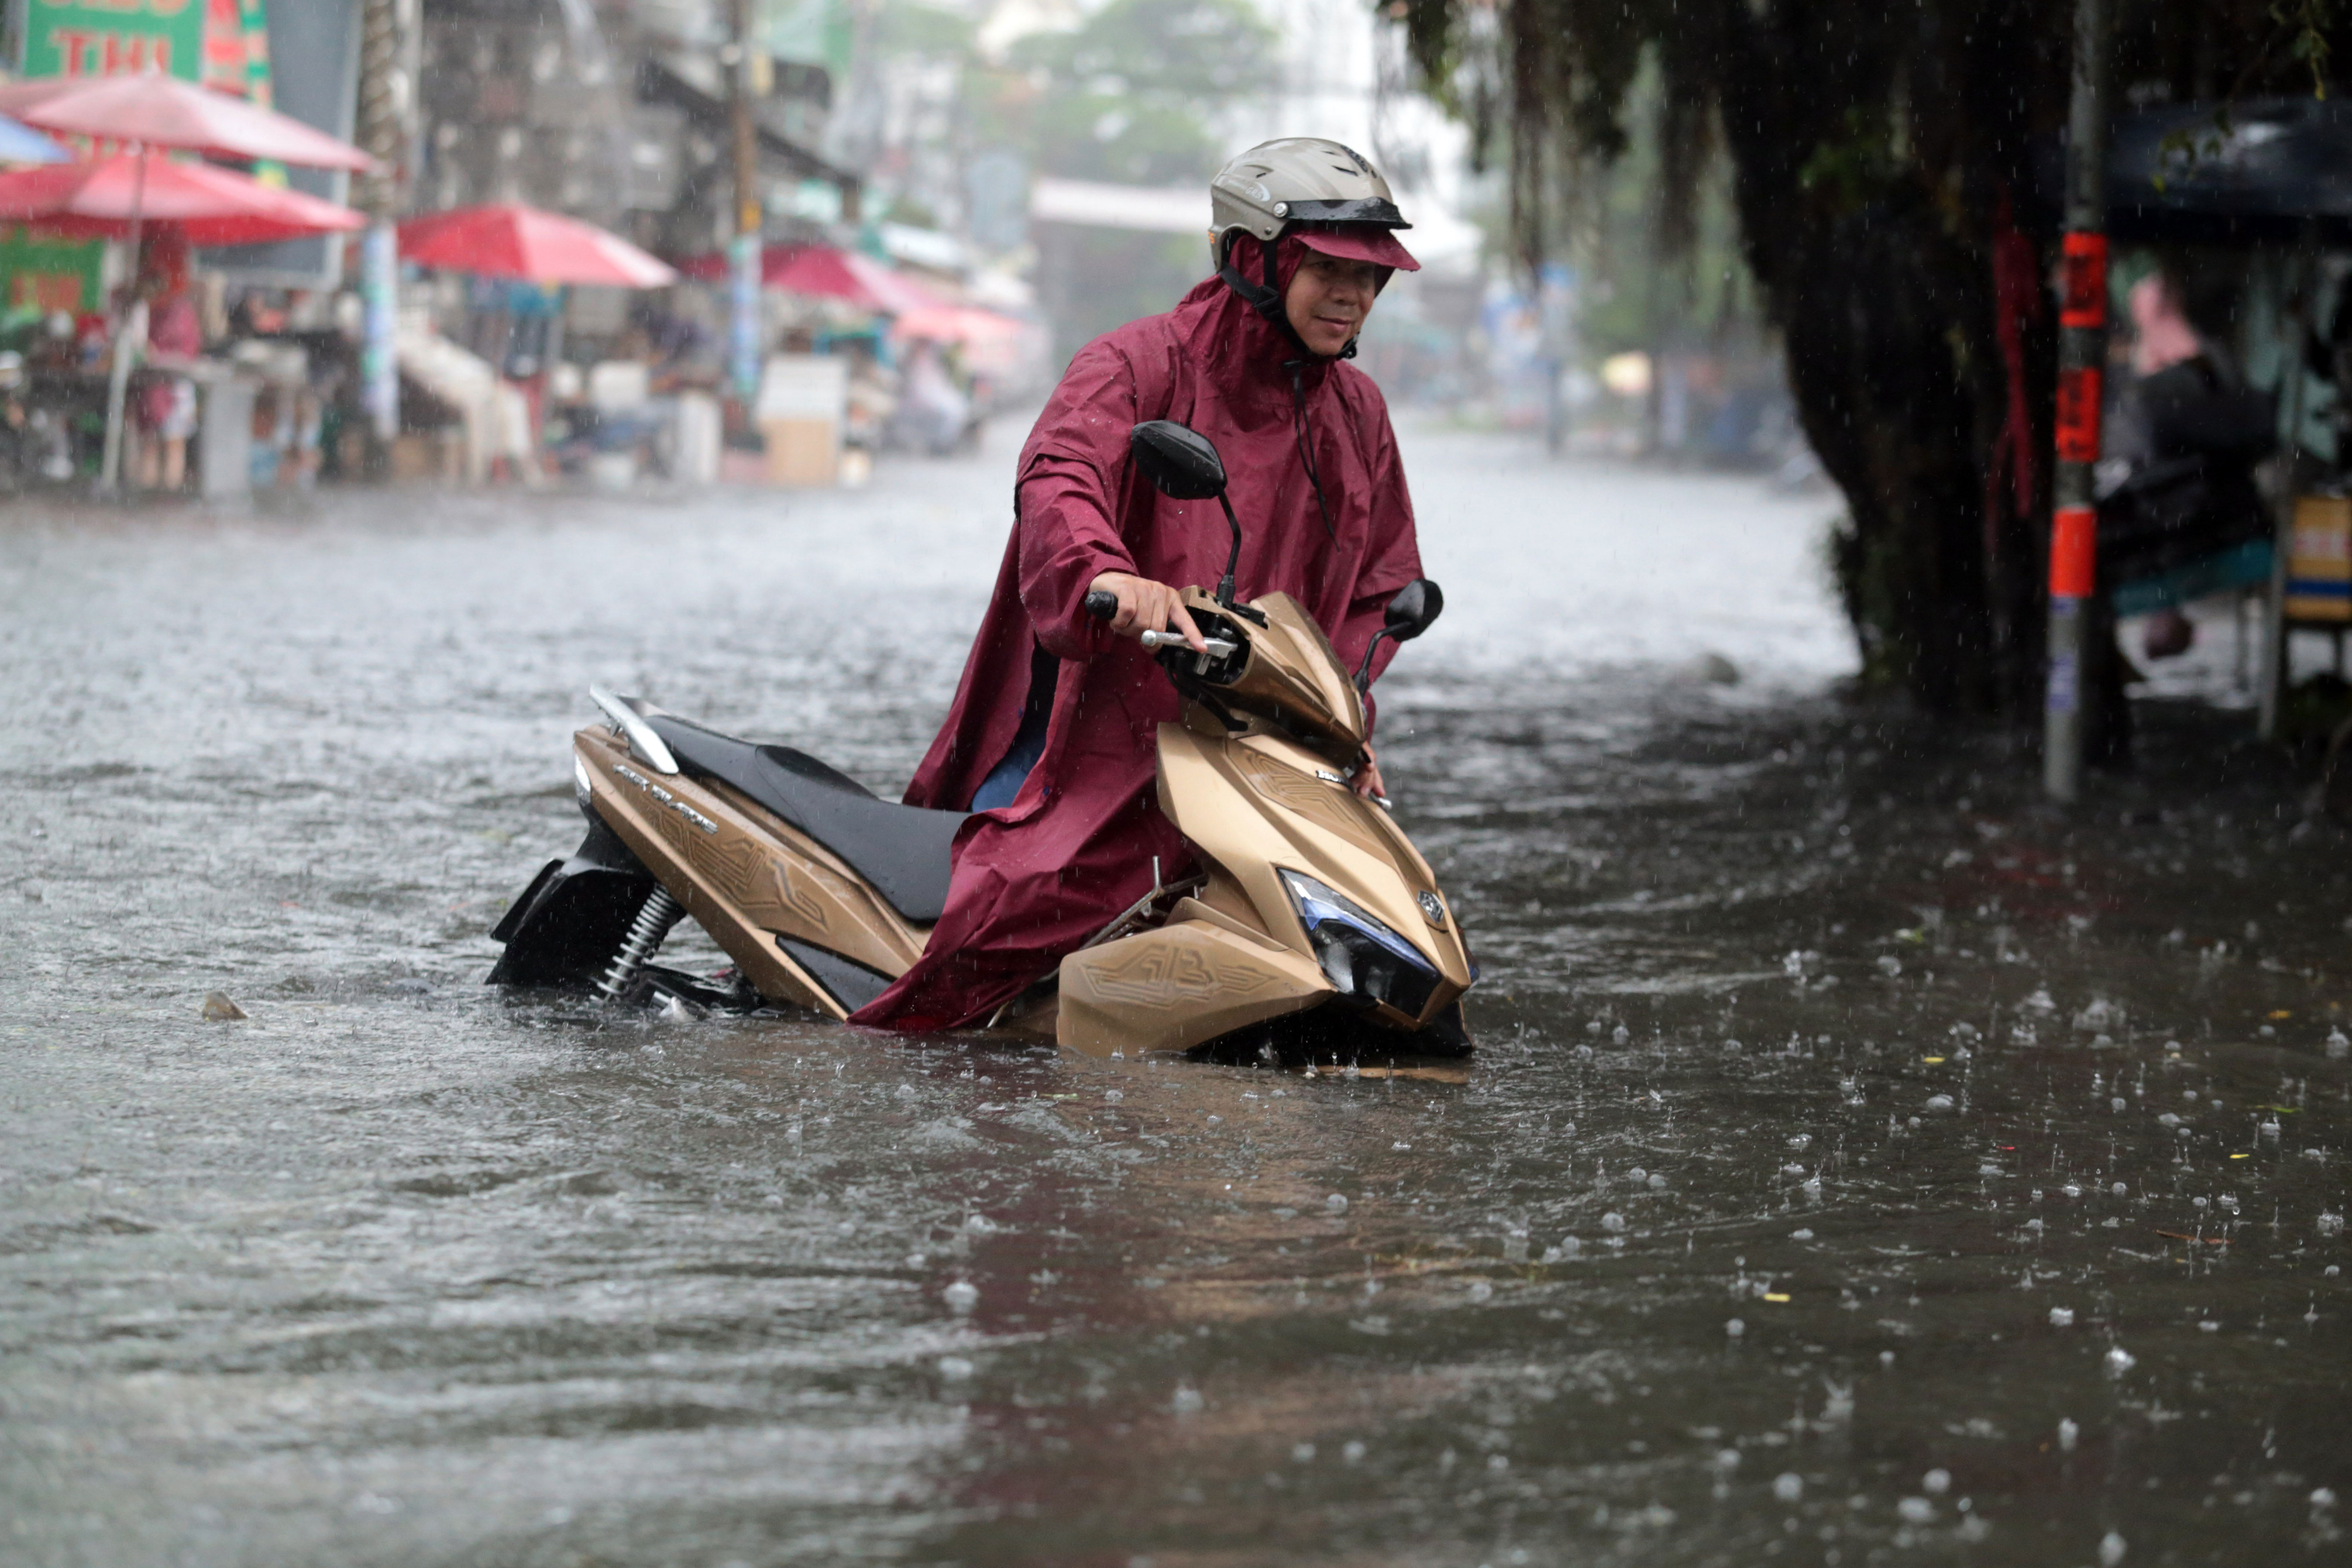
{"x":1255,"y":805}
{"x":1293,"y":668}
{"x":1180,"y":986}
{"x":747,"y":877}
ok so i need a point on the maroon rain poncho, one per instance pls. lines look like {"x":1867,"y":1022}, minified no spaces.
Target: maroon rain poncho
{"x":1035,"y":879}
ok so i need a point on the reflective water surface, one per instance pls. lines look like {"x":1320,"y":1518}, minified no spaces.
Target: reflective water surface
{"x":1858,"y":1164}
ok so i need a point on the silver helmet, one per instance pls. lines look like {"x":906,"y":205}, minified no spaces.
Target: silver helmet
{"x":1295,"y":180}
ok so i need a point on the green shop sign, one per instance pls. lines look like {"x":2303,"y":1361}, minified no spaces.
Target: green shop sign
{"x":105,"y":37}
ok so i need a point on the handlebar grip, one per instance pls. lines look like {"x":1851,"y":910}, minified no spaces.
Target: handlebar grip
{"x":1101,"y":603}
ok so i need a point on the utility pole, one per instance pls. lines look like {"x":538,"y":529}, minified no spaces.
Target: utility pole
{"x":383,"y":89}
{"x":2081,"y":362}
{"x":743,"y":339}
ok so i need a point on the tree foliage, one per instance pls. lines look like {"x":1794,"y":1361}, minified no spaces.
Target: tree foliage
{"x":1881,"y":157}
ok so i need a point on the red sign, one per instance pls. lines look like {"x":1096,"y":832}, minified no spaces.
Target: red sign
{"x":2073,"y":552}
{"x":2082,"y":287}
{"x":2078,"y":416}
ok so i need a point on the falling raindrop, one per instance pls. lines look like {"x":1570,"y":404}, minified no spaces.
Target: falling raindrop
{"x":2068,"y":1435}
{"x":2112,"y":1548}
{"x":1788,"y":1486}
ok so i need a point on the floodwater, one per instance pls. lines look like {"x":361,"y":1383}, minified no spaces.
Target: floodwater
{"x":1859,"y":1165}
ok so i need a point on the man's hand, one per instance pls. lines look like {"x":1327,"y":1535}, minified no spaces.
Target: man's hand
{"x":1367,"y":782}
{"x":1145,"y":606}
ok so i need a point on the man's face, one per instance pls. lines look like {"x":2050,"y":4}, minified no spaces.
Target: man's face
{"x":1329,"y":299}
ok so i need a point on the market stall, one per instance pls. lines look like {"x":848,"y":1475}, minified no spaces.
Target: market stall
{"x":625,"y":425}
{"x":173,"y":206}
{"x":148,"y":112}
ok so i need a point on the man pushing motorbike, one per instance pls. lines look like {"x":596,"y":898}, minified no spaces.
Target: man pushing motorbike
{"x":1051,"y":739}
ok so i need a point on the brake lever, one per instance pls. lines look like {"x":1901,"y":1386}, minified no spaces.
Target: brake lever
{"x":1215,"y":647}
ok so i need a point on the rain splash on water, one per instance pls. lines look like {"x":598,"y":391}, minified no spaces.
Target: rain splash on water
{"x":1858,"y":1164}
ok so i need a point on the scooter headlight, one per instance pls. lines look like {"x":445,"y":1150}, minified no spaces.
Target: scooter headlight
{"x":1362,"y":957}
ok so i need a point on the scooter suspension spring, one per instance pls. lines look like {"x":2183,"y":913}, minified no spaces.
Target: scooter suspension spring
{"x":659,"y":913}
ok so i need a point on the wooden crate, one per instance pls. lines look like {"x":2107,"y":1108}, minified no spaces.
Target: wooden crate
{"x":802,"y":451}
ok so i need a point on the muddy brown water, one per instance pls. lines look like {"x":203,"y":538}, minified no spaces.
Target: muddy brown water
{"x":1858,"y":1164}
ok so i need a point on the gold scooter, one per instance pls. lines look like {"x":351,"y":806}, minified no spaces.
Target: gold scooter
{"x":1312,"y":923}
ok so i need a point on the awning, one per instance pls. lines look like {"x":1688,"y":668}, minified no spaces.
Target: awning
{"x":2263,"y":171}
{"x":825,"y":272}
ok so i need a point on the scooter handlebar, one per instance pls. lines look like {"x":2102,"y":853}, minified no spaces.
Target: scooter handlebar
{"x":1102,"y":604}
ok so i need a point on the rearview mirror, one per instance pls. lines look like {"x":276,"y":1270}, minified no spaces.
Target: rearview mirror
{"x":1410,"y":613}
{"x":1182,"y":463}
{"x":1415,"y":607}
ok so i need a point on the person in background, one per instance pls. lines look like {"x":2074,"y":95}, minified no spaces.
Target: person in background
{"x":167,"y":400}
{"x":2176,"y":476}
{"x":933,"y":409}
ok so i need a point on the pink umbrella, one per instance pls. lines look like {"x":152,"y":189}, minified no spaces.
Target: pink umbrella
{"x":509,"y":241}
{"x":215,"y":207}
{"x":158,"y":111}
{"x":957,"y":324}
{"x":845,"y":275}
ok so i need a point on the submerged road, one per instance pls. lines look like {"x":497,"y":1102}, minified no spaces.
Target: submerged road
{"x":1858,"y":1164}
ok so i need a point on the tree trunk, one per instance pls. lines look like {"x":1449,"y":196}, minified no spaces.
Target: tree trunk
{"x":1880,"y":279}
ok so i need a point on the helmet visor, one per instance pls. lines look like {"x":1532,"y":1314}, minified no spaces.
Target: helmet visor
{"x":1356,"y":242}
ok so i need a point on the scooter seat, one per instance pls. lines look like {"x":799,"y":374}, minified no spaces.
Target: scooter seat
{"x":901,"y":850}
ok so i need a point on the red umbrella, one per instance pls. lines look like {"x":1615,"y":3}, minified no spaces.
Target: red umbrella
{"x":831,"y":274}
{"x":215,"y":207}
{"x":164,"y":111}
{"x":509,"y":241}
